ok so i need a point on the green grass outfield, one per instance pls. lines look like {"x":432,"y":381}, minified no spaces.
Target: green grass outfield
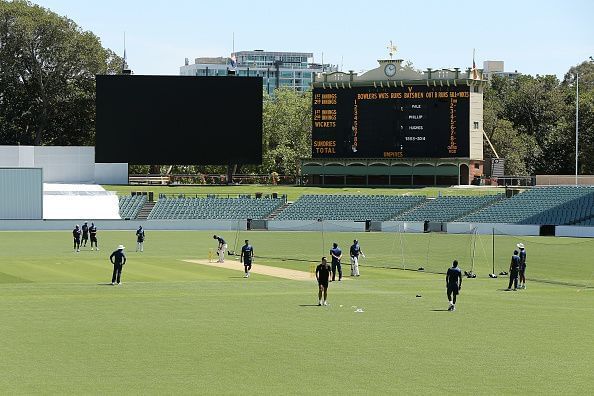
{"x":294,"y":192}
{"x":180,"y":328}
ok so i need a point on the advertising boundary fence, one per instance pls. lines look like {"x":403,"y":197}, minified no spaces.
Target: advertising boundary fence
{"x":295,"y":225}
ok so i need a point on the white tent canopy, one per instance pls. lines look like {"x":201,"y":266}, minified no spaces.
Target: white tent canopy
{"x":79,"y":201}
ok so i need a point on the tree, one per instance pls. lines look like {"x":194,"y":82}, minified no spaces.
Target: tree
{"x":509,"y":143}
{"x":533,"y":104}
{"x":47,"y":77}
{"x":586,"y":132}
{"x":528,"y":120}
{"x":286,"y":131}
{"x":512,"y":146}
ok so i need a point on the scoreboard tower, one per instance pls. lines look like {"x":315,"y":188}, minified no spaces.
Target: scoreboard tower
{"x":395,"y":125}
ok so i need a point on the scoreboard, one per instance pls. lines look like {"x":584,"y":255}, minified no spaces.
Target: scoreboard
{"x":391,"y":122}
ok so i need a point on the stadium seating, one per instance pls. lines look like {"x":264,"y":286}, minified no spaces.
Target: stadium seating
{"x":559,"y":205}
{"x":587,"y":222}
{"x":212,"y":207}
{"x":447,"y":208}
{"x":349,"y":207}
{"x":572,"y":212}
{"x":130,"y":206}
{"x":541,"y":205}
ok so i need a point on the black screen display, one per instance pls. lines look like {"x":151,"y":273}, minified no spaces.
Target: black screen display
{"x":178,"y":120}
{"x":391,"y":122}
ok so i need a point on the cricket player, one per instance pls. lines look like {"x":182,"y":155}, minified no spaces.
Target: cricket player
{"x":85,"y":234}
{"x":139,"y":239}
{"x":76,"y":236}
{"x":522,"y":269}
{"x":453,"y":284}
{"x":323,"y":274}
{"x":355,"y":252}
{"x":514,"y":268}
{"x":221,"y":249}
{"x":336,"y":254}
{"x":118,"y":259}
{"x":93,"y":235}
{"x":247,"y":255}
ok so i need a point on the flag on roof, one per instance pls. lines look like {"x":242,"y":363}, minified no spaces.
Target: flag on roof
{"x":474,"y":71}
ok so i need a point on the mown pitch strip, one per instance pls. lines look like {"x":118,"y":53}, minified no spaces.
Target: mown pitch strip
{"x":259,"y":269}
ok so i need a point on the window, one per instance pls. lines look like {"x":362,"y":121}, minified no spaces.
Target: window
{"x":476,"y":89}
{"x":476,"y":125}
{"x":477,"y":165}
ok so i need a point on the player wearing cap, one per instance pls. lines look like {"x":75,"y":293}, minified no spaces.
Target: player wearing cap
{"x":118,"y":259}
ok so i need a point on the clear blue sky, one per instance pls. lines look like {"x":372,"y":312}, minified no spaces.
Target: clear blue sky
{"x":533,"y":37}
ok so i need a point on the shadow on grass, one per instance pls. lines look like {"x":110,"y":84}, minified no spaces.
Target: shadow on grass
{"x":308,"y":305}
{"x":439,"y":310}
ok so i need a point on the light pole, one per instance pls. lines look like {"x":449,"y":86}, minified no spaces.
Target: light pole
{"x":577,"y":112}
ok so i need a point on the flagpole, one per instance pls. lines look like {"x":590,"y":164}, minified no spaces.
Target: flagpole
{"x":474,"y":73}
{"x":577,"y":111}
{"x":124,"y":66}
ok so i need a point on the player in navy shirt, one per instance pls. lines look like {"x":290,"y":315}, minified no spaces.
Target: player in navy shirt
{"x":323,"y":273}
{"x":76,"y":235}
{"x":355,"y":252}
{"x":93,"y":235}
{"x":85,"y":234}
{"x":453,"y":284}
{"x":522,"y":270}
{"x":247,"y":255}
{"x":140,"y":239}
{"x":336,"y":254}
{"x":514,"y":268}
{"x":118,"y":259}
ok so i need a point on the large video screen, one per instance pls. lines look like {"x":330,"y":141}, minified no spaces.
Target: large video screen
{"x":414,"y":121}
{"x":178,"y":120}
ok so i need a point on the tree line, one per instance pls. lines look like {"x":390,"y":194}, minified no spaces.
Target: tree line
{"x":47,"y":77}
{"x":47,"y":97}
{"x":531,"y":122}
